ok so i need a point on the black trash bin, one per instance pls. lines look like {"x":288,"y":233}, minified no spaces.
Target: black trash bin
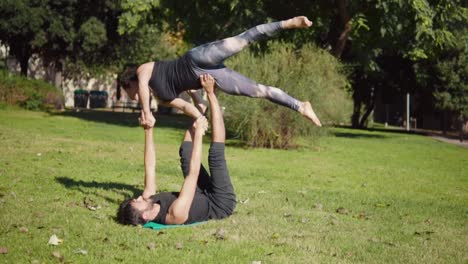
{"x":98,"y":99}
{"x":81,"y":98}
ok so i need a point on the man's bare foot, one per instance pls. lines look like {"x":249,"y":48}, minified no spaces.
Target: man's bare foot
{"x":307,"y":111}
{"x":297,"y":22}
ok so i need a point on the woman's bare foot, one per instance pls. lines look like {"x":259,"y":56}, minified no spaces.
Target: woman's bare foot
{"x":297,"y":22}
{"x":307,"y":111}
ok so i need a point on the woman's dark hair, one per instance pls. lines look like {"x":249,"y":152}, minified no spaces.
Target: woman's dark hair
{"x":128,"y":215}
{"x":127,"y":76}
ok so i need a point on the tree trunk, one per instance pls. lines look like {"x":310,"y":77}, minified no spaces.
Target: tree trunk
{"x":58,"y":66}
{"x":22,"y":53}
{"x":345,"y":22}
{"x":462,"y":124}
{"x":24,"y":64}
{"x":356,"y":113}
{"x":444,"y":122}
{"x":369,"y":108}
{"x":366,"y":115}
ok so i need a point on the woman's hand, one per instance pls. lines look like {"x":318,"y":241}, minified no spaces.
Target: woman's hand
{"x":147,"y":120}
{"x":200,"y":125}
{"x":208,"y":82}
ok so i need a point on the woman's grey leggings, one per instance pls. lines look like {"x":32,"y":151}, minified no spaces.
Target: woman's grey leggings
{"x":209,"y":59}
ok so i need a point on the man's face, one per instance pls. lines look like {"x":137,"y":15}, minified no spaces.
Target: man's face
{"x":132,"y":90}
{"x":141,"y":204}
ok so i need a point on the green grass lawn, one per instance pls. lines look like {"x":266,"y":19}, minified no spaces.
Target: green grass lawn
{"x":353,"y":196}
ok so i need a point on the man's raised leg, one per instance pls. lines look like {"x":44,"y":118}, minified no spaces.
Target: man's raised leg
{"x":222,"y":190}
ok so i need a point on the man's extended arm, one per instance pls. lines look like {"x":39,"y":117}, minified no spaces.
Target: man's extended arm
{"x":179,"y":210}
{"x":150,"y":165}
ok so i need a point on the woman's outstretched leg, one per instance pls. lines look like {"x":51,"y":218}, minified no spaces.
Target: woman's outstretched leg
{"x":214,"y":53}
{"x":234,"y":83}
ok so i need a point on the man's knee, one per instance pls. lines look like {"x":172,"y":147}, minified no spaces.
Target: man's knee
{"x":185,"y":150}
{"x":216,"y":152}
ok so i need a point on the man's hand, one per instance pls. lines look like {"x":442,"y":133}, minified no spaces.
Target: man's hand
{"x":147,"y":120}
{"x":208,"y":82}
{"x":200,"y":125}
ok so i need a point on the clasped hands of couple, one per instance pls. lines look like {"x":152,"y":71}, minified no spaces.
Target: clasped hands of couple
{"x":207,"y":81}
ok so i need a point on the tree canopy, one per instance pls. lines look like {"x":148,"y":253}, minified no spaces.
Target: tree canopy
{"x":390,"y":46}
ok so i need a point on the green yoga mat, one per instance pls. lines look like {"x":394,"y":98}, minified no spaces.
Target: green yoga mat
{"x":157,"y":226}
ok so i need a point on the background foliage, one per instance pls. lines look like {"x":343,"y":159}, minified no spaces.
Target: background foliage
{"x":306,"y":74}
{"x":389,"y":46}
{"x":30,"y":94}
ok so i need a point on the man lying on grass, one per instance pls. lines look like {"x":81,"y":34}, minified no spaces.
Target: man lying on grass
{"x":202,"y":196}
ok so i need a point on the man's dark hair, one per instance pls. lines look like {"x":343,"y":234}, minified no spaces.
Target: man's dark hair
{"x":128,"y":75}
{"x":128,"y":215}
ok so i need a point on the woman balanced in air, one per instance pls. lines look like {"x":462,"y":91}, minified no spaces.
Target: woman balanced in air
{"x":167,"y":79}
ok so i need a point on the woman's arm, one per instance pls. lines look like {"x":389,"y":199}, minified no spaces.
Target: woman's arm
{"x":150,"y":165}
{"x":186,"y":107}
{"x":179,"y":210}
{"x":147,"y":119}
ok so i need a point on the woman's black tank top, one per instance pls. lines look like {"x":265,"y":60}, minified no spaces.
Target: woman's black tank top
{"x":170,"y":78}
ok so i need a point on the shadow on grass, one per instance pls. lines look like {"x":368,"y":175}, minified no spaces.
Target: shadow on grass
{"x":358,"y":132}
{"x":93,"y":187}
{"x":127,"y":119}
{"x":130,"y":119}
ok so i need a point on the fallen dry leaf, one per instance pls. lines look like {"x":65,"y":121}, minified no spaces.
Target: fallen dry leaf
{"x":244,"y":201}
{"x":90,"y":204}
{"x":151,"y":246}
{"x":382,"y":205}
{"x":389,"y":244}
{"x":220,"y":233}
{"x":23,"y":229}
{"x":81,"y":251}
{"x":342,"y":211}
{"x":179,"y":245}
{"x":54,"y":240}
{"x":423,"y":233}
{"x":300,"y":235}
{"x":361,"y":216}
{"x":57,"y":255}
{"x":3,"y":250}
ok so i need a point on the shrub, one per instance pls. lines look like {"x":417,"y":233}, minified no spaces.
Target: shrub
{"x":30,"y":94}
{"x":306,"y":74}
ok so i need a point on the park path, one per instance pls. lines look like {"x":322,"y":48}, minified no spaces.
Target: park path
{"x":451,"y":141}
